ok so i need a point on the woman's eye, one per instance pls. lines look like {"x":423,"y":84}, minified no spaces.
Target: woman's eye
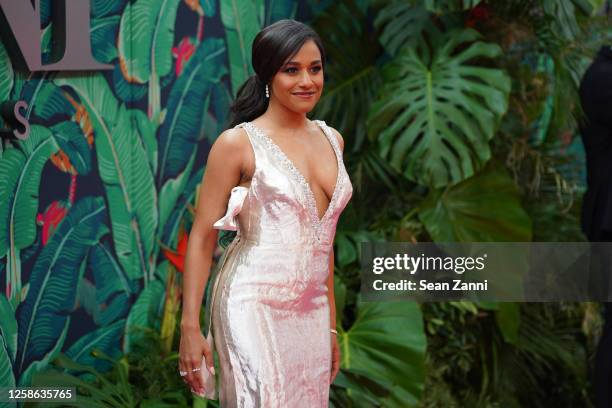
{"x":293,"y":70}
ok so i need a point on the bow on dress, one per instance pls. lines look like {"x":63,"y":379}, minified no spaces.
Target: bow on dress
{"x":234,"y":206}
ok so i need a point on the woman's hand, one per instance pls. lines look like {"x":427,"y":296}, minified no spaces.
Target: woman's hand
{"x":335,"y":357}
{"x":192,"y":346}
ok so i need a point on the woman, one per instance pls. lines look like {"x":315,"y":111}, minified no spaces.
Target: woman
{"x":271,"y":313}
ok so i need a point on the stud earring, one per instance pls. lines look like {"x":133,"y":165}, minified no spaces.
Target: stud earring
{"x":267,"y":91}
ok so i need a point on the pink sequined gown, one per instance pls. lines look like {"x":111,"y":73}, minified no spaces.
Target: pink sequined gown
{"x":269,"y":306}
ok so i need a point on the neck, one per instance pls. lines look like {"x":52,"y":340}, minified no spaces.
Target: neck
{"x":284,"y":117}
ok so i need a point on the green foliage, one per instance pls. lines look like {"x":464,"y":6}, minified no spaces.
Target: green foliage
{"x":123,"y":167}
{"x":442,"y":6}
{"x":20,"y":172}
{"x":6,"y":76}
{"x":373,"y":346}
{"x":241,"y":25}
{"x":477,"y":143}
{"x":150,"y":25}
{"x":143,"y":377}
{"x":449,"y":91}
{"x":44,"y":315}
{"x":436,"y":112}
{"x":483,"y":208}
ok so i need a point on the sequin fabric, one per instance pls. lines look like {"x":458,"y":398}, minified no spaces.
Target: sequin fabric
{"x":268,"y":315}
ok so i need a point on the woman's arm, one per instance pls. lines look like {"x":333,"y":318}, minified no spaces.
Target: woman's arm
{"x":223,"y":170}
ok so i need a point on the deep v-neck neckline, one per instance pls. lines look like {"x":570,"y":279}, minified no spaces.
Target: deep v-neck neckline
{"x":292,"y":168}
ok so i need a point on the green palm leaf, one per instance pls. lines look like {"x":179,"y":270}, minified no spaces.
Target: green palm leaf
{"x":102,"y":8}
{"x":44,"y":315}
{"x":6,"y":74}
{"x":103,"y":33}
{"x":148,"y":24}
{"x":105,"y":338}
{"x":7,"y":377}
{"x":144,"y":314}
{"x":112,"y":287}
{"x":179,"y":133}
{"x":242,"y":21}
{"x":20,"y":171}
{"x":124,"y":168}
{"x":8,"y":346}
{"x":8,"y":327}
{"x":44,"y":98}
{"x":186,"y":198}
{"x":486,"y":207}
{"x":375,"y":346}
{"x":436,"y":113}
{"x":70,"y":138}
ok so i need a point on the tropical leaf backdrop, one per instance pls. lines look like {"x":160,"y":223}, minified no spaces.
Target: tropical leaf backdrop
{"x":458,"y":118}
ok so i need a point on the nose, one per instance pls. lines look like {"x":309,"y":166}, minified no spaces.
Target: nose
{"x":305,"y":79}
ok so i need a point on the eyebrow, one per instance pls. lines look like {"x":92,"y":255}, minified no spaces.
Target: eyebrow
{"x":297,"y":63}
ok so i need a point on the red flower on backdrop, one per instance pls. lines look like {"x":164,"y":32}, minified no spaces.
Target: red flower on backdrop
{"x":51,"y":218}
{"x":178,"y":258}
{"x":479,"y":13}
{"x":182,"y":53}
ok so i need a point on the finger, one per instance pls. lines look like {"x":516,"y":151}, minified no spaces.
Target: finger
{"x":210,"y":362}
{"x":191,"y":376}
{"x":183,"y":368}
{"x":198,"y":383}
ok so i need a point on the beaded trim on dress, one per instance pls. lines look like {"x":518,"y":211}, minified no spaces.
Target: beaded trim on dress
{"x":299,"y":178}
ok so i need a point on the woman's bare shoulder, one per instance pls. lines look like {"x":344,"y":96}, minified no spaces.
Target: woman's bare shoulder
{"x":339,"y":137}
{"x":231,"y":140}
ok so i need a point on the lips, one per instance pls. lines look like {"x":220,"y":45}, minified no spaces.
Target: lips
{"x":304,"y":94}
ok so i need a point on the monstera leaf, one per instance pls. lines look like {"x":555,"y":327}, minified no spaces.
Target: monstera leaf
{"x":483,"y":208}
{"x":387,"y":342}
{"x":436,"y":113}
{"x":400,"y":24}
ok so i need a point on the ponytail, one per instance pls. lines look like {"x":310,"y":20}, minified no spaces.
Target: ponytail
{"x":250,"y":103}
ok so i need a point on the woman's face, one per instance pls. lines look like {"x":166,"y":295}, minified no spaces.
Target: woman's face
{"x":299,"y":82}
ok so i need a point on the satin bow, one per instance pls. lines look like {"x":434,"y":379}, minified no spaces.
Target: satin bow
{"x":234,"y":205}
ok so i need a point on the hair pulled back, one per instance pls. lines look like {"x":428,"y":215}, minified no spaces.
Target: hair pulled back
{"x":272,"y":47}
